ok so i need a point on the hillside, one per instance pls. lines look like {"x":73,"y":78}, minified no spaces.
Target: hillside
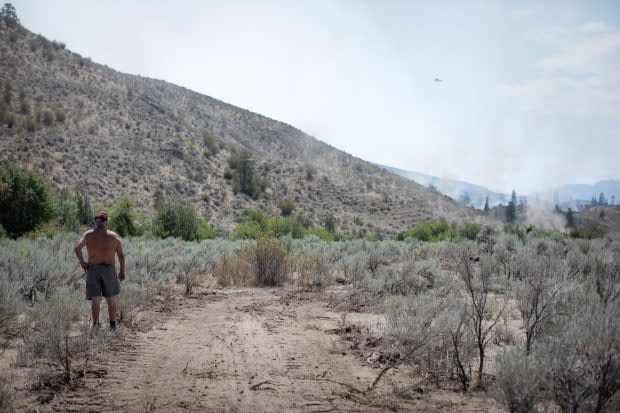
{"x":104,"y":133}
{"x":599,"y":217}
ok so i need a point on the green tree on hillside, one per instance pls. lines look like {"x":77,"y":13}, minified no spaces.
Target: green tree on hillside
{"x":177,"y":218}
{"x":68,"y":211}
{"x":122,"y":217}
{"x":602,"y":200}
{"x":511,"y":209}
{"x":329,"y":222}
{"x":85,"y":212}
{"x":8,"y":14}
{"x":486,"y":205}
{"x":25,"y":201}
{"x":242,"y":167}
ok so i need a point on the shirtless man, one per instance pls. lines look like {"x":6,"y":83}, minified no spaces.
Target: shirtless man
{"x":101,"y":279}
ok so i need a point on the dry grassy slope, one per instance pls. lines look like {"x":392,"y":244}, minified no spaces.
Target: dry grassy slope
{"x":590,"y":217}
{"x":125,"y":134}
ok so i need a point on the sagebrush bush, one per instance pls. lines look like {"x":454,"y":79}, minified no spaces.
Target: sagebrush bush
{"x":270,"y":262}
{"x":521,"y":381}
{"x":61,"y":334}
{"x":132,"y":300}
{"x":10,"y":307}
{"x":234,"y":270}
{"x":313,"y":271}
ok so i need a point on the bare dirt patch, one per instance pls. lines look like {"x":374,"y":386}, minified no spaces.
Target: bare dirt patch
{"x":254,"y":350}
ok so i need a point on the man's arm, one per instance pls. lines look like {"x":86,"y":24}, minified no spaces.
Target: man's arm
{"x":121,"y":259}
{"x":78,"y":251}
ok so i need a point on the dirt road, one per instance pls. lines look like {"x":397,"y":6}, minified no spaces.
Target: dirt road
{"x":252,"y":350}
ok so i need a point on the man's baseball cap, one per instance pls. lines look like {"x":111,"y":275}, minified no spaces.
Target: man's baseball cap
{"x":101,"y":216}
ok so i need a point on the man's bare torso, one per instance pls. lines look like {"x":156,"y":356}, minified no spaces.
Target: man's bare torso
{"x":101,"y":245}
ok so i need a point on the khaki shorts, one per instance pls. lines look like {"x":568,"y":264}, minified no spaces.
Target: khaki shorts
{"x":101,"y":280}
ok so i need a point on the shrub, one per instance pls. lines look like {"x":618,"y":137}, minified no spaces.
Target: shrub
{"x":248,"y":230}
{"x":520,"y":380}
{"x":24,"y":200}
{"x":270,"y":262}
{"x":187,"y":267}
{"x":290,"y":225}
{"x":313,"y":271}
{"x":243,"y":175}
{"x":233,"y":271}
{"x":329,"y":222}
{"x":48,"y":117}
{"x":583,"y":359}
{"x":482,"y":316}
{"x":432,"y":231}
{"x":59,"y":337}
{"x":67,"y":212}
{"x":9,"y":307}
{"x":469,"y":231}
{"x":206,"y":231}
{"x":122,"y":217}
{"x":310,"y":171}
{"x":59,"y":115}
{"x":177,"y":218}
{"x":131,"y":302}
{"x":211,"y":144}
{"x":286,"y":207}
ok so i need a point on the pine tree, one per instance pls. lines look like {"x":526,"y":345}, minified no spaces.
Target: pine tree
{"x":8,"y":14}
{"x":511,"y":209}
{"x":601,"y":199}
{"x":486,"y":205}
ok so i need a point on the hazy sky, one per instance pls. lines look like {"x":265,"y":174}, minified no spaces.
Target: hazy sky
{"x":529,"y":97}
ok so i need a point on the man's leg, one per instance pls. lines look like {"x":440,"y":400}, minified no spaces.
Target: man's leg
{"x":112,"y":310}
{"x":96,"y":306}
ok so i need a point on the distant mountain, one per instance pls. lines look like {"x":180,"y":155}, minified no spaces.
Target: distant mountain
{"x":461,"y":191}
{"x":578,"y":195}
{"x":573,"y":196}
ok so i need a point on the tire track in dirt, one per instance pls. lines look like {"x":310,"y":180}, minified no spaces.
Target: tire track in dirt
{"x":244,"y":351}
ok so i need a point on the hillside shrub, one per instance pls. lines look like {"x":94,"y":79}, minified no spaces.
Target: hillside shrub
{"x":178,"y":218}
{"x":290,"y":225}
{"x":211,"y":144}
{"x":122,"y":217}
{"x":25,"y":201}
{"x":248,"y":230}
{"x":469,"y":231}
{"x":286,"y":207}
{"x":431,"y":231}
{"x":270,"y":262}
{"x":68,"y":212}
{"x":243,"y":175}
